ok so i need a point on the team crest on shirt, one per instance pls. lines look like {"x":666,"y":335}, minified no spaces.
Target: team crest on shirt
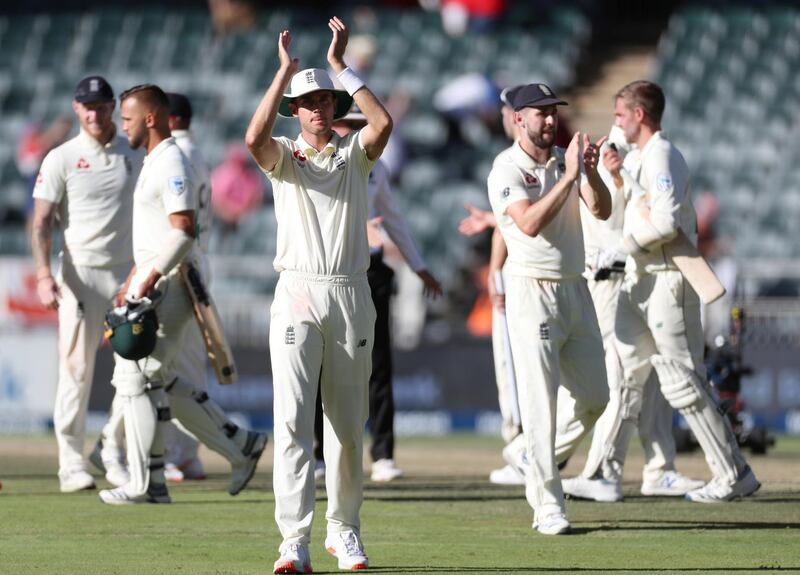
{"x":663,"y":182}
{"x":531,"y":181}
{"x":82,"y":164}
{"x":300,"y":158}
{"x":177,"y":185}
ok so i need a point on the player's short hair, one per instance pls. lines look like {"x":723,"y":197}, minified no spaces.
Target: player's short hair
{"x":646,"y":95}
{"x":150,"y":95}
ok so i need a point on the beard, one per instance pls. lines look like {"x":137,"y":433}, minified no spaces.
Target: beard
{"x":544,"y":140}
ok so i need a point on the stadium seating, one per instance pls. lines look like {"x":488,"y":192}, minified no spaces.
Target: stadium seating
{"x":732,"y":78}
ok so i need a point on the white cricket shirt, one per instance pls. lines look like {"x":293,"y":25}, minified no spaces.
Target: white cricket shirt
{"x":92,"y":184}
{"x":164,"y":187}
{"x":661,"y":171}
{"x":382,"y":203}
{"x":557,"y":251}
{"x":321,"y":206}
{"x":201,"y":178}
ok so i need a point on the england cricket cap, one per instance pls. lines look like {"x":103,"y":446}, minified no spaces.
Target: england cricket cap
{"x":535,"y":96}
{"x":507,"y":95}
{"x":93,"y":89}
{"x":179,"y":105}
{"x":314,"y":80}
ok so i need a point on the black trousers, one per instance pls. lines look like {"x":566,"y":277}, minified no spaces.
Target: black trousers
{"x":381,"y":400}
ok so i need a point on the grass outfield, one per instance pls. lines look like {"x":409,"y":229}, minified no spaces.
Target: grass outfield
{"x":444,"y":517}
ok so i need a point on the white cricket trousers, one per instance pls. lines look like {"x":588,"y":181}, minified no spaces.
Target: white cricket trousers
{"x":321,"y":336}
{"x":658,"y":325}
{"x":555,"y":340}
{"x":509,"y":430}
{"x":86,"y":295}
{"x":140,"y":385}
{"x":655,"y":421}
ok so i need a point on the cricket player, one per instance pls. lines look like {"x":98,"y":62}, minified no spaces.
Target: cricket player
{"x":601,"y":479}
{"x":183,"y":461}
{"x":555,"y":339}
{"x":86,"y":184}
{"x":322,"y":317}
{"x":658,"y":314}
{"x":164,"y":234}
{"x":384,"y":212}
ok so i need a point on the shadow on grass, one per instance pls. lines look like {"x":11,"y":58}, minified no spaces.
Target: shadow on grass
{"x":669,"y":524}
{"x":443,"y":569}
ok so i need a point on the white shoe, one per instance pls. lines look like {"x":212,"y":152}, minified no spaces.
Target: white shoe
{"x":294,"y":559}
{"x":601,"y":489}
{"x":385,"y":470}
{"x":114,"y":467}
{"x":76,"y":481}
{"x":515,"y":455}
{"x":671,"y":484}
{"x":553,"y":524}
{"x":242,"y":472}
{"x":347,"y":548}
{"x":172,"y":473}
{"x":319,"y":471}
{"x":506,"y":476}
{"x":155,"y":494}
{"x":716,"y":491}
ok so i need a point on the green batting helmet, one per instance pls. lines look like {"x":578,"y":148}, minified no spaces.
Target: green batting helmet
{"x":132,"y":332}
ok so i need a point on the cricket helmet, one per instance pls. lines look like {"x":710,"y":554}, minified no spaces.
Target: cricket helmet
{"x":132,"y":329}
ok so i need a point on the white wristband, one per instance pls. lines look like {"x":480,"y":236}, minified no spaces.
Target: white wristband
{"x":176,"y":245}
{"x":350,"y":80}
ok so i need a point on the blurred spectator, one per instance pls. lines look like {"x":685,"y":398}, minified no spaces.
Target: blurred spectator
{"x":460,"y":15}
{"x":464,"y":100}
{"x":232,"y":15}
{"x":237,"y":187}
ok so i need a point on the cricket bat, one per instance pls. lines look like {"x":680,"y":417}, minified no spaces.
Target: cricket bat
{"x":219,"y":352}
{"x":511,"y":376}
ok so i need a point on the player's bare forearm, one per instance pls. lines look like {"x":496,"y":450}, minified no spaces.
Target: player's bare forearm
{"x":259,"y":141}
{"x":42,"y":235}
{"x":532,"y":218}
{"x":375,"y":135}
{"x":596,"y":196}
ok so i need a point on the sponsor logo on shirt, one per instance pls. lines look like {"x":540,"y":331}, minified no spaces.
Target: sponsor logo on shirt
{"x":177,"y":185}
{"x":531,"y":181}
{"x":300,"y":158}
{"x":339,"y":161}
{"x":82,"y":164}
{"x":289,"y":337}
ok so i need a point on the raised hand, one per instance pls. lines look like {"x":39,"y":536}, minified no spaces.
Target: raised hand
{"x":591,"y":153}
{"x":476,"y":222}
{"x":571,"y":157}
{"x":612,"y":160}
{"x":338,"y":44}
{"x":287,"y":62}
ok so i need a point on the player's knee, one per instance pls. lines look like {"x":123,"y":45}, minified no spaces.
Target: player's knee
{"x":681,"y":386}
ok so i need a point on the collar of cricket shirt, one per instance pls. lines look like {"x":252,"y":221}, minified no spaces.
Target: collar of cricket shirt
{"x":526,"y":162}
{"x":155,"y":152}
{"x":310,"y":152}
{"x":654,"y":139}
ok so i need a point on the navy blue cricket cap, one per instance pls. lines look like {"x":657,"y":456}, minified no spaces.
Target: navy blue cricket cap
{"x":535,"y":96}
{"x":179,"y":105}
{"x":93,"y":89}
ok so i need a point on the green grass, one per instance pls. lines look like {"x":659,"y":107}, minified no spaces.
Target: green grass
{"x":423,"y":524}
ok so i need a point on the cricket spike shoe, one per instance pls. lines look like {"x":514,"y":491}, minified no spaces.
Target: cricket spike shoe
{"x":507,"y":475}
{"x":552,"y":524}
{"x":716,"y":491}
{"x":76,"y":481}
{"x":671,"y":484}
{"x":347,"y":548}
{"x":294,"y":559}
{"x":156,"y":493}
{"x":243,"y":471}
{"x":600,"y":489}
